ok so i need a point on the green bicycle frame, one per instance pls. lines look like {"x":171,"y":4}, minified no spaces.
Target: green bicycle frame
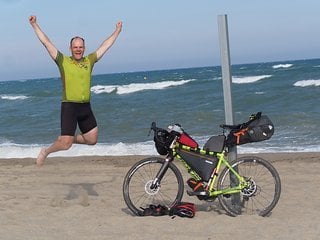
{"x":241,"y":183}
{"x":230,"y":190}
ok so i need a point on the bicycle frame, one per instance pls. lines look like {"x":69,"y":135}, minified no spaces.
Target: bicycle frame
{"x":230,"y":190}
{"x":222,"y":161}
{"x":239,"y":182}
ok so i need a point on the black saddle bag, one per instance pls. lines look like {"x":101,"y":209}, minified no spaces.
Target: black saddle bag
{"x":258,"y":128}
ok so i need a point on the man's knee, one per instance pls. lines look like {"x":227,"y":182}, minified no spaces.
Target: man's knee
{"x":65,"y":142}
{"x":91,"y":141}
{"x":91,"y":137}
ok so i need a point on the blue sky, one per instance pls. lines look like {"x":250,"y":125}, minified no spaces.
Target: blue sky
{"x":156,"y":35}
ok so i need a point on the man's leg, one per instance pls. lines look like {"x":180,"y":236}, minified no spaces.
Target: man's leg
{"x":89,"y":138}
{"x":62,"y":143}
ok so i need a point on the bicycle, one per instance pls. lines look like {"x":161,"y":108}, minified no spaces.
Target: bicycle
{"x":247,"y":185}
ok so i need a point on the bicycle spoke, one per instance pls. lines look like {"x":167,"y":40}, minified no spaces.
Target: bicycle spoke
{"x":138,"y":189}
{"x":262,"y":191}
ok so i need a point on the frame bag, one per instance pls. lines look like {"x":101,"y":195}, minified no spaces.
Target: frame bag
{"x":203,"y":165}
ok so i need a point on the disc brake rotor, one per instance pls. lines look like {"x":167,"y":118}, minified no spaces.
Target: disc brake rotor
{"x":148,"y":188}
{"x":251,"y":188}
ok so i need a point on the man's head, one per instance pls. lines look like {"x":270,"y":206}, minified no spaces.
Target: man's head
{"x":77,"y":47}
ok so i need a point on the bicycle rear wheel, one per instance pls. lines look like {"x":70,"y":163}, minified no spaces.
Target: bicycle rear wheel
{"x":263,"y":190}
{"x":137,"y":190}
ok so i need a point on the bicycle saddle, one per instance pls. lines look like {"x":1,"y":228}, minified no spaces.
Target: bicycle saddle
{"x":226,"y":126}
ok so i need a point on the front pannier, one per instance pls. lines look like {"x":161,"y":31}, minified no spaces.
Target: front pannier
{"x":258,"y":128}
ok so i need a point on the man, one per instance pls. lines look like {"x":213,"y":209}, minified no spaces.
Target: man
{"x":75,"y":74}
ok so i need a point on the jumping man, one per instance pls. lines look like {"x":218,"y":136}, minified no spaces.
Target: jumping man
{"x":75,"y":71}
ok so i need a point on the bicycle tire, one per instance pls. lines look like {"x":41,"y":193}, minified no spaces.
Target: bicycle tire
{"x":136,"y":186}
{"x":260,"y":197}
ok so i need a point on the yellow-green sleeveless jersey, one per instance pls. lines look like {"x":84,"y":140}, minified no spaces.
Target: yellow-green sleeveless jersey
{"x":76,"y":77}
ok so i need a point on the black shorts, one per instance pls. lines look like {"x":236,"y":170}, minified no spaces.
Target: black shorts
{"x":76,"y":113}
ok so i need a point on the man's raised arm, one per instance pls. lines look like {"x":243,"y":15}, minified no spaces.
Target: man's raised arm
{"x":109,"y":41}
{"x":52,"y":50}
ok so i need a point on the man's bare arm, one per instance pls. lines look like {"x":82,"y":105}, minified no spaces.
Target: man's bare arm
{"x":109,"y":41}
{"x":52,"y":50}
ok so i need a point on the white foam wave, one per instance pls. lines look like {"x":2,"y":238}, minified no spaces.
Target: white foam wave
{"x":250,"y":79}
{"x":119,"y":149}
{"x":307,"y":83}
{"x":144,"y":148}
{"x":252,"y":149}
{"x":136,"y":87}
{"x":282,"y":66}
{"x":13,"y":97}
{"x":103,"y":89}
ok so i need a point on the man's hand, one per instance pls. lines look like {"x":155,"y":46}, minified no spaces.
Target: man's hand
{"x":53,"y":52}
{"x":32,"y":19}
{"x":119,"y":26}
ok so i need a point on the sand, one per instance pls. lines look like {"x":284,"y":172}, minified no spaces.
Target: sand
{"x":81,"y":198}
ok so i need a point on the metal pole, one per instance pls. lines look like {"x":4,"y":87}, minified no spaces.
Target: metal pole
{"x":227,"y":94}
{"x":226,"y":75}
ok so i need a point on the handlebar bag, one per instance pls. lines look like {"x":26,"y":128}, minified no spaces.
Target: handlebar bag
{"x":162,"y":141}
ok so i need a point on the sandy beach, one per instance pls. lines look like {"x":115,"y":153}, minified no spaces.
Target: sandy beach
{"x":81,"y":198}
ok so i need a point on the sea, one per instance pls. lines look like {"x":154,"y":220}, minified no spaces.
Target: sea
{"x":125,"y":105}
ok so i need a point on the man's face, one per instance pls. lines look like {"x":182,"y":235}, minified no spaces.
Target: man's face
{"x":77,"y":48}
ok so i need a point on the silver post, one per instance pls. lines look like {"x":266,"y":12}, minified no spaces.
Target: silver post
{"x":226,"y":75}
{"x":227,"y":92}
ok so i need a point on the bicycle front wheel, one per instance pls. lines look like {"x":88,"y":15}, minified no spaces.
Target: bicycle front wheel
{"x":138,"y":193}
{"x":260,"y":195}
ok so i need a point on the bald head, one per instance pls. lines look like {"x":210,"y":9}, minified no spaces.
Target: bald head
{"x":77,"y":47}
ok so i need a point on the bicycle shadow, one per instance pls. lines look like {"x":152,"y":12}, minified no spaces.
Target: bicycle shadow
{"x":210,"y":207}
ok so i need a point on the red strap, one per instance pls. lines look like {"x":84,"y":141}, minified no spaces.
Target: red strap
{"x":242,"y":132}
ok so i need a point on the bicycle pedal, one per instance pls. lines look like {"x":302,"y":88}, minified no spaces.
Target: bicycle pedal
{"x":197,"y":193}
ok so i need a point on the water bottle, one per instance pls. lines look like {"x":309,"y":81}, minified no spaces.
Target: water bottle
{"x":176,"y":127}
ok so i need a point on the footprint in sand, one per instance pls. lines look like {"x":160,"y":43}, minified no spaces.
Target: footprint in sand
{"x":78,"y":193}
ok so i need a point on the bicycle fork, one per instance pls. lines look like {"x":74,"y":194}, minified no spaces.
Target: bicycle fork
{"x":162,"y":171}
